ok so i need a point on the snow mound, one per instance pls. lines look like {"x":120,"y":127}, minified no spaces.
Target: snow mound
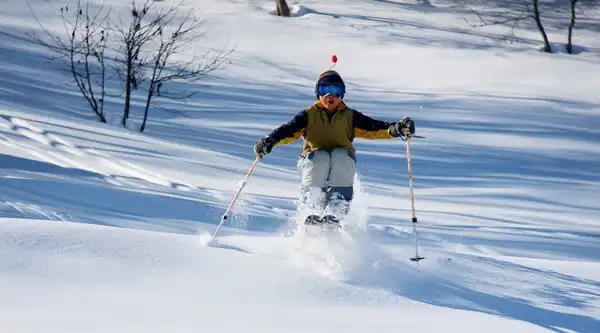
{"x":295,"y":11}
{"x":562,"y":48}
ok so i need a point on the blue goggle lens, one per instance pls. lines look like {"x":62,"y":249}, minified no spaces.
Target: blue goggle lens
{"x":325,"y":90}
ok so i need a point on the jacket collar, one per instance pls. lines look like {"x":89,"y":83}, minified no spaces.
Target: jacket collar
{"x":340,"y":107}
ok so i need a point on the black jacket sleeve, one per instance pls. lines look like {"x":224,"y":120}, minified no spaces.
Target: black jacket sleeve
{"x":369,"y":128}
{"x":291,"y":130}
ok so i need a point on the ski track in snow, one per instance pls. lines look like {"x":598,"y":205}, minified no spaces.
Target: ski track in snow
{"x":29,"y":211}
{"x":41,"y":144}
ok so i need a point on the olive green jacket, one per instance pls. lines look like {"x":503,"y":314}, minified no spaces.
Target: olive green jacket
{"x":322,"y":129}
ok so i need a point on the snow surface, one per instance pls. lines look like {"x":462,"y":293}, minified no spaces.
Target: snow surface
{"x":104,"y":229}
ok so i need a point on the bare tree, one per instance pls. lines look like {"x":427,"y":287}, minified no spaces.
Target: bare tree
{"x":282,"y":8}
{"x":527,"y":10}
{"x":163,"y":69}
{"x":146,"y":51}
{"x":573,"y":3}
{"x":133,"y":39}
{"x":154,"y":35}
{"x":83,"y":47}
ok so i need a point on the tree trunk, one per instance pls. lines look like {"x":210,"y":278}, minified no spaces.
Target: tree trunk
{"x":571,"y":25}
{"x":128,"y":83}
{"x":538,"y":21}
{"x":148,"y":99}
{"x":103,"y":83}
{"x":282,"y":8}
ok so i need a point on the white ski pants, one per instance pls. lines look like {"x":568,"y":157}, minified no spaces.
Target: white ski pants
{"x":327,"y":175}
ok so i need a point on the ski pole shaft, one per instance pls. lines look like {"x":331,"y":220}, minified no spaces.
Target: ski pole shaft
{"x":410,"y":181}
{"x":412,"y":201}
{"x":226,"y":215}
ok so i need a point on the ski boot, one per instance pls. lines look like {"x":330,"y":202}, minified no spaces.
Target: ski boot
{"x":331,"y":222}
{"x":313,"y":220}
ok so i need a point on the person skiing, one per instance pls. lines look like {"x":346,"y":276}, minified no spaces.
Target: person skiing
{"x":327,"y":164}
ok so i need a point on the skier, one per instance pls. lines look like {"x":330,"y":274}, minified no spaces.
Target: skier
{"x":327,"y":163}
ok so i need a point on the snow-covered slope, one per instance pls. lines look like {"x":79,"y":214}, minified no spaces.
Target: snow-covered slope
{"x":103,"y":229}
{"x":73,"y":277}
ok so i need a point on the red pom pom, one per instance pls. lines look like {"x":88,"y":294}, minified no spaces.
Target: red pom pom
{"x":334,"y":59}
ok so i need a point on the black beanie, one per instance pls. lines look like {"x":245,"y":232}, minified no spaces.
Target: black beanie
{"x":330,"y":77}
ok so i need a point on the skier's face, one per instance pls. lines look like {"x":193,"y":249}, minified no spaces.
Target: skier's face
{"x":330,"y":102}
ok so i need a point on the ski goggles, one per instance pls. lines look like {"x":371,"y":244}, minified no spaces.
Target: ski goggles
{"x":333,"y":90}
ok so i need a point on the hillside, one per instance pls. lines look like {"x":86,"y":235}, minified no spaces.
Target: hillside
{"x":104,"y":229}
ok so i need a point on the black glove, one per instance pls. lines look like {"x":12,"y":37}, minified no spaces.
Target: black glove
{"x":264,"y":146}
{"x":403,"y":129}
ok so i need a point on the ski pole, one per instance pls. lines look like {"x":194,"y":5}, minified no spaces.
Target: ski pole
{"x":416,"y":258}
{"x":226,"y":215}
